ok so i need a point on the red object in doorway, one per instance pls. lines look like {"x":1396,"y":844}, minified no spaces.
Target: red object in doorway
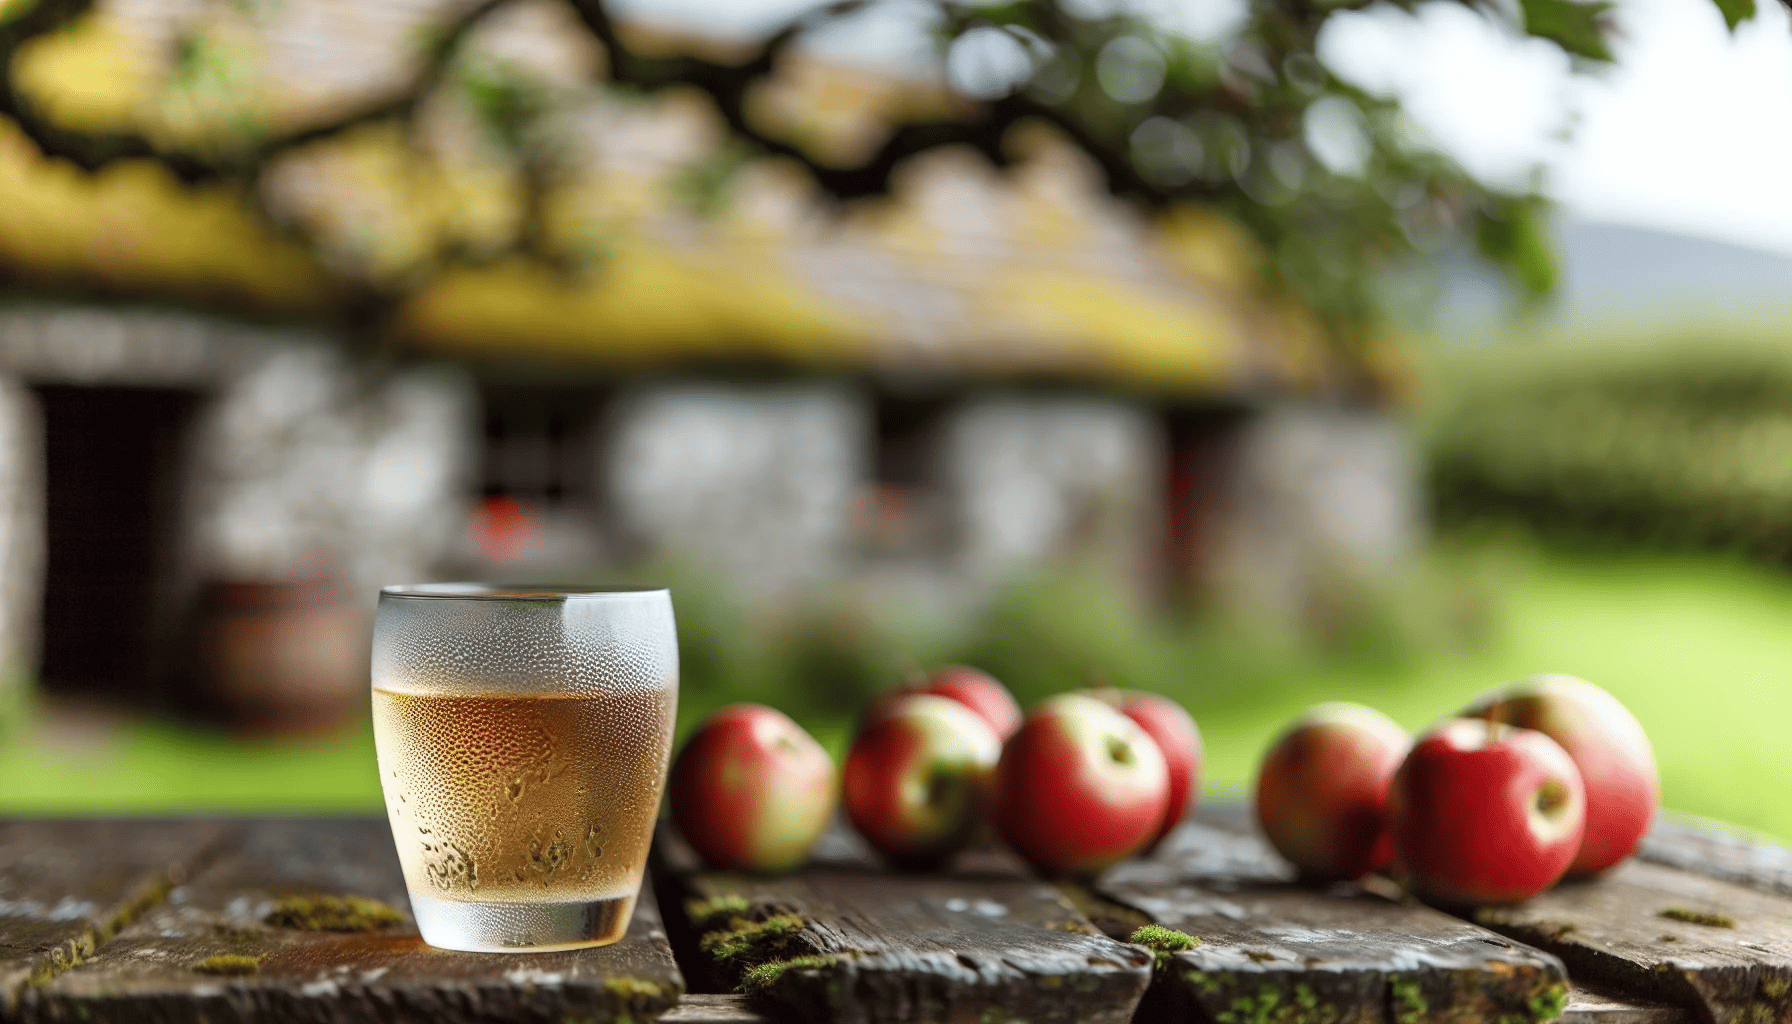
{"x":507,"y":528}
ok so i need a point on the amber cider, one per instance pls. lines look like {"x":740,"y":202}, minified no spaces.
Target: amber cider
{"x":523,"y":815}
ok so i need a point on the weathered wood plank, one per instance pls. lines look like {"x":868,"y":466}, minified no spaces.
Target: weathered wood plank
{"x":845,"y":941}
{"x":1223,"y":850}
{"x":66,"y":886}
{"x":1588,"y":1005}
{"x":1712,"y":848}
{"x":700,"y":1008}
{"x":1667,"y":934}
{"x":1273,"y":950}
{"x":231,"y":946}
{"x":1336,"y":955}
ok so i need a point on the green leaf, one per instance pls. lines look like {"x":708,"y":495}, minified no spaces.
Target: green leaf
{"x":506,"y":99}
{"x":1735,"y":12}
{"x":1516,"y":239}
{"x":1576,"y":27}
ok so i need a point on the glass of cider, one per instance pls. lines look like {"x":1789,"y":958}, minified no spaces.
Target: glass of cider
{"x":523,"y":735}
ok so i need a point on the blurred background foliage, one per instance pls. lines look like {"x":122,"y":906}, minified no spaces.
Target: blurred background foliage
{"x":1678,"y":440}
{"x":1692,"y":643}
{"x":1616,"y":508}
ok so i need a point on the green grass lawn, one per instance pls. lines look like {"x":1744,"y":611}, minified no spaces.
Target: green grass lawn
{"x":1700,"y":649}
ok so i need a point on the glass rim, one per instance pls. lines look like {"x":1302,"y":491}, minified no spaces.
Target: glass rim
{"x":544,"y":592}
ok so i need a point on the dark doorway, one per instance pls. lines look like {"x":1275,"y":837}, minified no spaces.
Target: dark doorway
{"x":113,"y":461}
{"x":900,"y":512}
{"x":910,"y":430}
{"x":1197,"y":484}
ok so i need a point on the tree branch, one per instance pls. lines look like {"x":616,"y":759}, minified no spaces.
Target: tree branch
{"x":93,"y":150}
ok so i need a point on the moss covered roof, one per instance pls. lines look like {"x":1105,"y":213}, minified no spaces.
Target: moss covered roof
{"x":1034,"y":271}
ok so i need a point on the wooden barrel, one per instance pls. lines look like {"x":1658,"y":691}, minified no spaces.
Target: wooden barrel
{"x":282,"y":657}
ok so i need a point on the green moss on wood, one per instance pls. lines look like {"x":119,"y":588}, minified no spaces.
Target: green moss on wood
{"x":64,"y":956}
{"x":1548,"y":1004}
{"x":1410,"y":1005}
{"x":233,"y":964}
{"x":1775,"y":986}
{"x":1207,"y":983}
{"x":73,"y":951}
{"x":1164,"y":943}
{"x":744,"y":940}
{"x":1073,"y":926}
{"x":332,"y":914}
{"x":635,"y":988}
{"x":764,"y":976}
{"x":1709,"y":920}
{"x":630,"y":995}
{"x":1258,"y":1010}
{"x":151,"y":894}
{"x":706,"y":914}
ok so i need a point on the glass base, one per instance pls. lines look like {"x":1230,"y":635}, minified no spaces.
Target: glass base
{"x":521,"y":927}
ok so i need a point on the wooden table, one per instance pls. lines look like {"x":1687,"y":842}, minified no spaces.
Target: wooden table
{"x":282,"y":919}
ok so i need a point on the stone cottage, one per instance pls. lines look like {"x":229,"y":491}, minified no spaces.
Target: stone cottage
{"x":923,"y":394}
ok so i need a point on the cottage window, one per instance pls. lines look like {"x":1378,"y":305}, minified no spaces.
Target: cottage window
{"x":899,"y":507}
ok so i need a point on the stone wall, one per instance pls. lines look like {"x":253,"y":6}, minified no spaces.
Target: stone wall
{"x":1316,"y":498}
{"x":753,"y":481}
{"x":303,"y":463}
{"x":300,"y":460}
{"x":1035,"y":478}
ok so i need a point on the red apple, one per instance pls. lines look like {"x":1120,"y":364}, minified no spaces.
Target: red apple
{"x":1608,"y":746}
{"x":974,"y":688}
{"x":751,"y":791}
{"x":979,"y":691}
{"x":1079,"y":786}
{"x":1485,"y":813}
{"x":1322,"y":790}
{"x":1177,"y":738}
{"x":916,"y":783}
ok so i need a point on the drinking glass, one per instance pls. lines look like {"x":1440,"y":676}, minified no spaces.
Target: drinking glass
{"x":523,"y":735}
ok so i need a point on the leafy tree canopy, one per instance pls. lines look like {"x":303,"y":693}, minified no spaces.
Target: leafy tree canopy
{"x":1327,"y":178}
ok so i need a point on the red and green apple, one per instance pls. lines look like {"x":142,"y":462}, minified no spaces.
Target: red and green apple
{"x":1322,"y":790}
{"x":916,"y":783}
{"x":751,"y":790}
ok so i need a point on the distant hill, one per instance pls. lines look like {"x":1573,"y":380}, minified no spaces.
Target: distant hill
{"x":1619,"y":271}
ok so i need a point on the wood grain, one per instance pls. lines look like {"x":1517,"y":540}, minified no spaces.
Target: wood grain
{"x":1638,"y":930}
{"x":982,"y":941}
{"x":702,"y":1008}
{"x":1590,"y":1005}
{"x":66,"y":886}
{"x":1272,"y":949}
{"x":1711,"y":848}
{"x":156,"y":969}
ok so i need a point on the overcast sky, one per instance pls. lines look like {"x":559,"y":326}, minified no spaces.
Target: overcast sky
{"x":1691,"y":132}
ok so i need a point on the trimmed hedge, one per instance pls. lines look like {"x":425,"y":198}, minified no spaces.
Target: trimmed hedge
{"x":1687,"y":445}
